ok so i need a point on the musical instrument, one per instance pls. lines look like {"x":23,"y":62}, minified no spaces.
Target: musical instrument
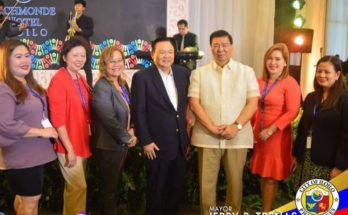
{"x":14,"y":23}
{"x":6,"y":17}
{"x":182,"y":58}
{"x":71,"y":31}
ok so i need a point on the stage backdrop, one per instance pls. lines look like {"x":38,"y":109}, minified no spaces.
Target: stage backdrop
{"x":130,"y":24}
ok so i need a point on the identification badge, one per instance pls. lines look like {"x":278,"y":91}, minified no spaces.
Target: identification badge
{"x":46,"y":123}
{"x":309,"y":142}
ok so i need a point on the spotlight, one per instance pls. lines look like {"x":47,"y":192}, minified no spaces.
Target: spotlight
{"x":299,"y":40}
{"x":299,"y":21}
{"x":293,"y":37}
{"x":298,"y":4}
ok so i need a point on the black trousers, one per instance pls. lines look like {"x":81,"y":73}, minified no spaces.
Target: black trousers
{"x":109,"y":165}
{"x":165,"y":180}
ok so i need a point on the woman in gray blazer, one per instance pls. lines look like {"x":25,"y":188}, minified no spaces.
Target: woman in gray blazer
{"x":112,"y":134}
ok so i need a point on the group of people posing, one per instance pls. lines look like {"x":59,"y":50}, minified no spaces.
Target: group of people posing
{"x":234,"y":111}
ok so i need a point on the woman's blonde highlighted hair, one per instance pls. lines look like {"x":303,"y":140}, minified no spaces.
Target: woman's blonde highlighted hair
{"x":105,"y":58}
{"x":285,"y":53}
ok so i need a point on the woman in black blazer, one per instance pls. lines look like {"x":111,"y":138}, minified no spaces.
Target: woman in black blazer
{"x":323,"y":128}
{"x":112,"y":134}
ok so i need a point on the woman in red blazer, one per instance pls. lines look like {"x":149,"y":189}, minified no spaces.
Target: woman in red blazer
{"x":68,"y":96}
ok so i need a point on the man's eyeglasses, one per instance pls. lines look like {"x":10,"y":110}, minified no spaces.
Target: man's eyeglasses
{"x":221,"y":45}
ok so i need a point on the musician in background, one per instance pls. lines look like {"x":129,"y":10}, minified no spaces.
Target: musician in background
{"x":186,"y":41}
{"x":82,"y":26}
{"x":6,"y":29}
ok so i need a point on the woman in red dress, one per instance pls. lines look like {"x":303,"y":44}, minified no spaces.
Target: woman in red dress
{"x":278,"y":106}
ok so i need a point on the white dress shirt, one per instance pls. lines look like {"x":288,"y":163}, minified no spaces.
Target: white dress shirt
{"x":169,"y":84}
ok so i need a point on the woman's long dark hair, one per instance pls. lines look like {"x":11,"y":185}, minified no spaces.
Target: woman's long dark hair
{"x":6,"y":76}
{"x":335,"y":90}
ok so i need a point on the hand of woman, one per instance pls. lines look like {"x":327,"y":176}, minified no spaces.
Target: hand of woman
{"x":293,"y":165}
{"x":267,"y":132}
{"x":264,"y":135}
{"x":70,"y":158}
{"x":132,"y":141}
{"x":49,"y":133}
{"x":335,"y":172}
{"x":131,"y":131}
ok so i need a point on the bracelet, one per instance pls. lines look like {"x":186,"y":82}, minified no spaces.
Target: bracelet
{"x":269,"y":132}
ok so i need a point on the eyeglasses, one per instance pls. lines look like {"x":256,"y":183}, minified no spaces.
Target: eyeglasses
{"x":116,"y":61}
{"x":222,"y":45}
{"x":162,"y":52}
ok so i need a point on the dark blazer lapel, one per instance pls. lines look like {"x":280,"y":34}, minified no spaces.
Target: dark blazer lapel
{"x":158,"y":82}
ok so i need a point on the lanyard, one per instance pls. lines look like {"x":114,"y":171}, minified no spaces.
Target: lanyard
{"x":35,"y":94}
{"x":315,"y":114}
{"x":265,"y":92}
{"x":315,"y":111}
{"x":125,"y":94}
{"x":80,"y":92}
{"x":82,"y":96}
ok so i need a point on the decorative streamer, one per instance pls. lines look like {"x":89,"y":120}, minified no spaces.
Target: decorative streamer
{"x":47,"y":54}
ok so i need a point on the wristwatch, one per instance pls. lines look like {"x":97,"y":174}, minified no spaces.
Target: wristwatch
{"x":239,"y":126}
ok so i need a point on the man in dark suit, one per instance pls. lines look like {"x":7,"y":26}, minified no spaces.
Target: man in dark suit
{"x":159,"y":104}
{"x":186,"y":41}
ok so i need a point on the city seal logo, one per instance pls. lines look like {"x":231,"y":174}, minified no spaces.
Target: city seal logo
{"x":317,"y":197}
{"x":23,"y":1}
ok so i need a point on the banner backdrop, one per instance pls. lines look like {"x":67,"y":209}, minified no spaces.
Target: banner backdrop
{"x":130,"y":24}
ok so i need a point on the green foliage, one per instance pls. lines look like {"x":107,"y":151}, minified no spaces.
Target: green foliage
{"x":6,"y":194}
{"x":287,"y":187}
{"x":133,"y":186}
{"x":53,"y":187}
{"x":294,"y":124}
{"x":133,"y":181}
{"x":191,"y":186}
{"x":252,"y":202}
